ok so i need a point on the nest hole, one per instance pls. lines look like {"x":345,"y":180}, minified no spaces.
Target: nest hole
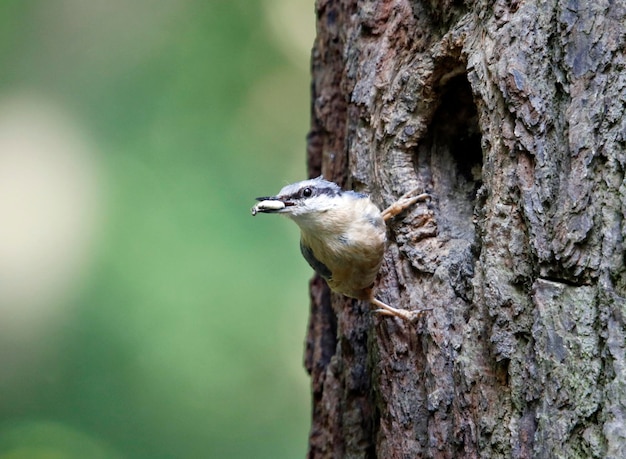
{"x":451,"y":155}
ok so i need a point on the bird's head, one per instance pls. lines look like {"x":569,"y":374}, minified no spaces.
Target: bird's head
{"x":302,"y":199}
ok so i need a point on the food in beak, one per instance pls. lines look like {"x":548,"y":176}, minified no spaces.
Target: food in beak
{"x":268,"y":205}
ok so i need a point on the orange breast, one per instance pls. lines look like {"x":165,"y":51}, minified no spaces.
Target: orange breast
{"x":353,"y":255}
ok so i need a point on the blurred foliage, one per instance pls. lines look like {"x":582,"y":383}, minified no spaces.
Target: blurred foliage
{"x":184,"y":338}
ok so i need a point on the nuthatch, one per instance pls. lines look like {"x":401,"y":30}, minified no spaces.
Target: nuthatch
{"x":343,"y":235}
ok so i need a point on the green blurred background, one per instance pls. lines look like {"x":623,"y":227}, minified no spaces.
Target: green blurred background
{"x":143,"y":312}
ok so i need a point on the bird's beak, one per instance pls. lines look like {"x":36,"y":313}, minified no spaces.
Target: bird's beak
{"x":270,"y":205}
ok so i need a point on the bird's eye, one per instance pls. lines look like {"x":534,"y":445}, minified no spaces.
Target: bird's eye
{"x":307,"y":192}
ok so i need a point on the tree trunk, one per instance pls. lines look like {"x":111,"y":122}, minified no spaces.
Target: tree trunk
{"x":511,"y":114}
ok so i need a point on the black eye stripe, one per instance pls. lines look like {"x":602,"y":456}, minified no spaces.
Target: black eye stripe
{"x":311,"y":191}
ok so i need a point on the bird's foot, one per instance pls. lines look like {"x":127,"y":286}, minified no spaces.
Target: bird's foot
{"x":386,"y":310}
{"x":404,"y":202}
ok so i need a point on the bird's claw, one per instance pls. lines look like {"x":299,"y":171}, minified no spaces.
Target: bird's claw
{"x":404,"y":202}
{"x":409,"y":316}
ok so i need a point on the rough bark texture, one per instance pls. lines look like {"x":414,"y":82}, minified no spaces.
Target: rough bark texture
{"x":512,"y":114}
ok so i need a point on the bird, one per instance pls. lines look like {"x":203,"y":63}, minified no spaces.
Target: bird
{"x":343,"y":235}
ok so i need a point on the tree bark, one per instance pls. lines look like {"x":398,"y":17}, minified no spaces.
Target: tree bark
{"x":511,"y":114}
